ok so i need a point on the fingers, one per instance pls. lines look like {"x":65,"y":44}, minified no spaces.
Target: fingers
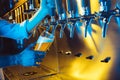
{"x":31,"y":45}
{"x":38,"y":62}
{"x":39,"y":56}
{"x":38,"y":59}
{"x":40,"y":53}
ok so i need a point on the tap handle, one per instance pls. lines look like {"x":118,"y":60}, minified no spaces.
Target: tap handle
{"x":62,"y":30}
{"x":104,"y":30}
{"x":53,"y":29}
{"x":105,"y":5}
{"x":85,"y":3}
{"x":117,"y":16}
{"x":70,"y":6}
{"x":53,"y":12}
{"x":53,"y":23}
{"x":105,"y":26}
{"x":59,"y":6}
{"x":72,"y":29}
{"x":46,"y":24}
{"x":103,"y":1}
{"x":31,"y":5}
{"x":30,"y":1}
{"x":88,"y":27}
{"x":118,"y":3}
{"x":86,"y":7}
{"x":117,"y":20}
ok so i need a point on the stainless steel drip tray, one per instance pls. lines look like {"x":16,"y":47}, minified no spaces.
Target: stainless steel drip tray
{"x":28,"y":73}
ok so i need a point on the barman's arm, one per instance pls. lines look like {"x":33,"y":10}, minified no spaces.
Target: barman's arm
{"x":20,"y":31}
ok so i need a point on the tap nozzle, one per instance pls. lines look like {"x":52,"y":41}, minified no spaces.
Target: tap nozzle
{"x":73,"y":16}
{"x":62,"y":22}
{"x":53,"y":23}
{"x":46,"y":24}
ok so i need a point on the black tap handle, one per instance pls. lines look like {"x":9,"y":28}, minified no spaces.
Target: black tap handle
{"x":85,"y":3}
{"x":59,"y":6}
{"x":30,"y":1}
{"x":103,"y":1}
{"x":53,"y":12}
{"x":106,"y":4}
{"x":70,"y":5}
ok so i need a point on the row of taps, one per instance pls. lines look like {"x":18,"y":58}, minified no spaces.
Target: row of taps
{"x":72,"y":18}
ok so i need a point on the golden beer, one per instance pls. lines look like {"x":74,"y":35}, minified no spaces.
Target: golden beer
{"x":44,"y":42}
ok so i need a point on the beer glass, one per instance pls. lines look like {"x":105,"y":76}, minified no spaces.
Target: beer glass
{"x":44,"y":41}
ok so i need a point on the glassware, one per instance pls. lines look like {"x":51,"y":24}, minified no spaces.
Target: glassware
{"x":44,"y":41}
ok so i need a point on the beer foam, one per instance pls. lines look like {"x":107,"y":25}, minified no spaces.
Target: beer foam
{"x":42,"y":39}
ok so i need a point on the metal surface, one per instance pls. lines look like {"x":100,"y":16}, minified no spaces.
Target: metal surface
{"x":71,"y":67}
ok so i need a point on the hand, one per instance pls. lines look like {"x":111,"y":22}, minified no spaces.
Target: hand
{"x":47,"y":5}
{"x":29,"y":57}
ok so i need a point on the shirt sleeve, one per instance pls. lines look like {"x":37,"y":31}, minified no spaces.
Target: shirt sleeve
{"x":14,"y":31}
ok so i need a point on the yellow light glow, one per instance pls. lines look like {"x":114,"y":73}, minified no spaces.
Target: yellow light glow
{"x":89,"y":41}
{"x":84,"y":69}
{"x":94,"y":6}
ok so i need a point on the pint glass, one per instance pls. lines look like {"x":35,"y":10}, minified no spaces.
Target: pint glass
{"x":44,"y":41}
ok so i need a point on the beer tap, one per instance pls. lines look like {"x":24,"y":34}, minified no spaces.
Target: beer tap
{"x":103,"y":5}
{"x":53,"y":21}
{"x":61,"y":16}
{"x":73,"y":17}
{"x":31,"y":7}
{"x":104,"y":16}
{"x":46,"y":24}
{"x":117,"y":9}
{"x":87,"y":17}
